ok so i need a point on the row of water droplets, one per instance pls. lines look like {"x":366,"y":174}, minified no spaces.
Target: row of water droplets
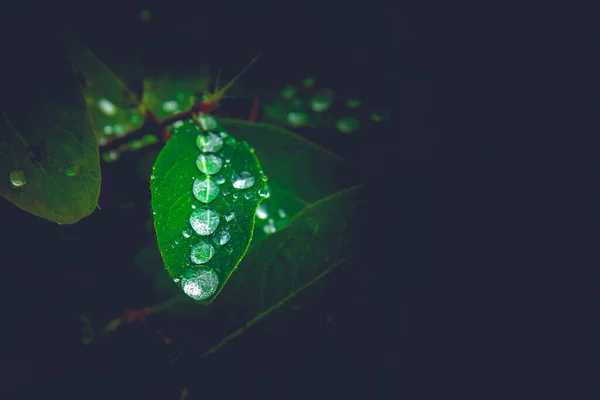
{"x":204,"y":220}
{"x":18,"y":177}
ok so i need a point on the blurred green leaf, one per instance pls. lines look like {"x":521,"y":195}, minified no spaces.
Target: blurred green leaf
{"x":48,"y":153}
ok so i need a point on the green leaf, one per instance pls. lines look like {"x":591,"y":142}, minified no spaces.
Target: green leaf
{"x":49,"y":160}
{"x":206,"y":187}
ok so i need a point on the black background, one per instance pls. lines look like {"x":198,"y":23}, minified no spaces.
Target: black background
{"x":51,"y":273}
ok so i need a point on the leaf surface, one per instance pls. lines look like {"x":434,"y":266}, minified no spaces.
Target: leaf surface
{"x":206,"y":187}
{"x":49,"y":160}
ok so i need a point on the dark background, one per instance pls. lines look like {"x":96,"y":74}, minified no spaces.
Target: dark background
{"x":52,"y":273}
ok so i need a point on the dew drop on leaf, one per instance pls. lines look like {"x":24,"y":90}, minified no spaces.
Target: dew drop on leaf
{"x":225,"y":192}
{"x":209,"y":164}
{"x":202,"y":252}
{"x":261,"y":212}
{"x":222,"y":237}
{"x":347,"y":124}
{"x":169,"y":106}
{"x":205,"y":190}
{"x":204,"y":221}
{"x":186,"y":233}
{"x":263,"y":192}
{"x":220,"y":180}
{"x":72,"y":170}
{"x":107,"y":107}
{"x":297,"y":119}
{"x":200,"y":285}
{"x":321,"y":100}
{"x":230,"y":216}
{"x":248,"y":195}
{"x":209,"y":143}
{"x":242,"y":180}
{"x":18,"y":178}
{"x":207,"y":122}
{"x":281,"y":213}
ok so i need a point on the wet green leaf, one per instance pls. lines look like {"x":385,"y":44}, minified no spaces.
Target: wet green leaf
{"x":205,"y":191}
{"x":49,"y":160}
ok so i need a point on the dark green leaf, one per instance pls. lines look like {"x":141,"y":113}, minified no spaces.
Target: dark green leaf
{"x":206,"y":187}
{"x":48,"y":153}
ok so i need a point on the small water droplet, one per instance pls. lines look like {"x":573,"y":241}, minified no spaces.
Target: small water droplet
{"x":204,"y":221}
{"x":297,"y":118}
{"x":200,"y":285}
{"x":177,"y":241}
{"x":223,"y":134}
{"x":178,"y":124}
{"x":186,"y":233}
{"x":235,"y":196}
{"x":251,"y":149}
{"x":261,"y":212}
{"x":18,"y":178}
{"x":220,"y":180}
{"x":248,"y":195}
{"x":222,"y":237}
{"x":193,"y":206}
{"x":152,"y":177}
{"x":263,"y":191}
{"x":205,"y":190}
{"x":209,"y":143}
{"x":176,"y":280}
{"x":207,"y":122}
{"x":228,"y":160}
{"x":281,"y":213}
{"x":347,"y":124}
{"x":107,"y":107}
{"x":321,"y":100}
{"x":169,"y":106}
{"x":230,"y":216}
{"x":202,"y":252}
{"x":225,"y":192}
{"x":209,"y":164}
{"x":242,"y":180}
{"x":110,"y":156}
{"x":288,"y":92}
{"x":265,"y":178}
{"x":72,"y":170}
{"x":269,"y":228}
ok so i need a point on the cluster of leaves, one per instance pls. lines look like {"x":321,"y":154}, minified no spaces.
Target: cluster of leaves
{"x":293,"y":236}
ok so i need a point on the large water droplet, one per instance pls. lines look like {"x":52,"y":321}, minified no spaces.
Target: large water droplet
{"x":347,"y":124}
{"x":209,"y":164}
{"x":209,"y":143}
{"x":186,"y":233}
{"x":321,"y":100}
{"x":200,"y":285}
{"x":205,"y":190}
{"x":242,"y":180}
{"x":222,"y":237}
{"x":72,"y":170}
{"x":18,"y":178}
{"x":261,"y":212}
{"x":230,"y":216}
{"x":202,"y":252}
{"x":204,"y":221}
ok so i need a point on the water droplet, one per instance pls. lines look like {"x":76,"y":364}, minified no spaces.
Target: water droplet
{"x":242,"y":180}
{"x":235,"y":196}
{"x":261,"y":212}
{"x":186,"y":233}
{"x":252,"y":150}
{"x":225,"y":192}
{"x":297,"y":119}
{"x":107,"y":129}
{"x":209,"y":164}
{"x":223,"y":134}
{"x":176,"y":241}
{"x":380,"y":115}
{"x":263,"y":191}
{"x":178,"y":124}
{"x":352,"y":103}
{"x":169,"y":106}
{"x":269,"y":228}
{"x":222,"y":237}
{"x":176,"y":280}
{"x":248,"y":195}
{"x":193,"y":206}
{"x":281,"y":213}
{"x":220,"y":180}
{"x":110,"y":156}
{"x":209,"y":143}
{"x":202,"y":252}
{"x":321,"y":100}
{"x":204,"y":221}
{"x":207,"y":122}
{"x":230,"y":216}
{"x":347,"y":124}
{"x":200,"y":285}
{"x":107,"y":107}
{"x":18,"y":178}
{"x":228,"y":160}
{"x":309,"y":82}
{"x":72,"y":170}
{"x":288,"y":92}
{"x":205,"y":190}
{"x":265,"y":178}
